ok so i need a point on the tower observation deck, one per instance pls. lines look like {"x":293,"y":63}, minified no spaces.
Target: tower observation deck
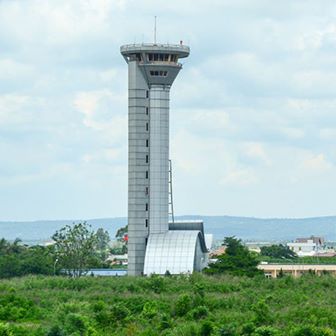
{"x":152,"y":69}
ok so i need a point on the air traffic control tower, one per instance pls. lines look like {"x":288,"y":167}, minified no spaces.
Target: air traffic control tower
{"x":152,"y":69}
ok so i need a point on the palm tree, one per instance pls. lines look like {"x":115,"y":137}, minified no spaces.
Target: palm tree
{"x":4,"y":246}
{"x":16,"y":246}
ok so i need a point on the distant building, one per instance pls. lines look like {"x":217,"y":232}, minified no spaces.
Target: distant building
{"x":255,"y":246}
{"x":218,"y":252}
{"x":316,"y":240}
{"x":307,"y":247}
{"x":296,"y":270}
{"x":324,"y":254}
{"x":118,"y":259}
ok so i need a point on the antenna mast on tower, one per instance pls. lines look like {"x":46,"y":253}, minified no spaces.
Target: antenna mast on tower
{"x":154,"y":29}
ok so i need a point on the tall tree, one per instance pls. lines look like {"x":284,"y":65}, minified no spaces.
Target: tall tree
{"x":102,"y":243}
{"x":237,"y":260}
{"x":75,"y":248}
{"x":121,"y":233}
{"x":103,"y":239}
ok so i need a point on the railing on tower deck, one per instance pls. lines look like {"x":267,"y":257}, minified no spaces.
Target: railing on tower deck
{"x":138,"y":46}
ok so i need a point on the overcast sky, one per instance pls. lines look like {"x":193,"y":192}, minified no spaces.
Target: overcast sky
{"x":253,"y":112}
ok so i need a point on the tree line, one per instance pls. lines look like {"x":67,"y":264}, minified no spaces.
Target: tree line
{"x":75,"y":249}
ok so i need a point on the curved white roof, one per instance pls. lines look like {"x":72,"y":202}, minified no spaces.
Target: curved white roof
{"x":172,"y":251}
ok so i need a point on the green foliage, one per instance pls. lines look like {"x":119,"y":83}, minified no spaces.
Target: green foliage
{"x":312,"y":331}
{"x":150,"y":310}
{"x":102,"y":239}
{"x":248,"y":328}
{"x":165,"y":322}
{"x":199,"y":312}
{"x":120,"y":235}
{"x":266,"y":331}
{"x":185,"y":329}
{"x":156,"y":283}
{"x":119,"y":312}
{"x":237,"y":260}
{"x":5,"y":330}
{"x":56,"y":331}
{"x":18,"y":260}
{"x":278,"y":251}
{"x":74,"y":247}
{"x":15,"y":308}
{"x":206,"y":328}
{"x":262,"y":313}
{"x":76,"y":323}
{"x":102,"y":243}
{"x":119,"y":250}
{"x":228,"y":330}
{"x":183,"y":304}
{"x":221,"y":305}
{"x":121,"y":232}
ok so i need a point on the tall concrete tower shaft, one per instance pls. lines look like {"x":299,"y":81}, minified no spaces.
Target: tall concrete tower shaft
{"x":152,"y":68}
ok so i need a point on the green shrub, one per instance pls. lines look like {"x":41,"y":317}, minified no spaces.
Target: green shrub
{"x":262,"y":313}
{"x":14,"y":307}
{"x":183,"y":304}
{"x":119,"y":311}
{"x":149,"y":310}
{"x":104,"y":318}
{"x":266,"y":331}
{"x":312,"y":331}
{"x":206,"y":328}
{"x":248,"y":328}
{"x":56,"y":331}
{"x":199,"y":289}
{"x":227,"y":330}
{"x":185,"y":329}
{"x":199,"y":312}
{"x":76,"y":323}
{"x":165,"y":322}
{"x":156,"y":283}
{"x":99,"y":306}
{"x":5,"y":330}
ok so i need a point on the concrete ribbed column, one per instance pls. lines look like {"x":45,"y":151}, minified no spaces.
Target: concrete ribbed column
{"x":159,"y":156}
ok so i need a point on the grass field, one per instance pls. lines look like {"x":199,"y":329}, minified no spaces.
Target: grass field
{"x":194,"y":305}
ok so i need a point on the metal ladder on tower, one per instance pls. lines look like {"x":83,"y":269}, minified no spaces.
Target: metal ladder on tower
{"x":170,"y":194}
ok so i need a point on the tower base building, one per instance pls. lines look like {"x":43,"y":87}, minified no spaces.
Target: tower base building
{"x":154,"y":245}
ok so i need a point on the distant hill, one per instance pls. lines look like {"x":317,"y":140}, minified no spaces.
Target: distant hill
{"x":42,"y":230}
{"x":246,"y":228}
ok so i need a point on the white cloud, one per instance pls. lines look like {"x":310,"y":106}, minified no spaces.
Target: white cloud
{"x":239,"y":177}
{"x":17,"y":109}
{"x":293,"y":132}
{"x":257,"y":151}
{"x":12,"y":70}
{"x":98,"y":109}
{"x":317,"y":164}
{"x":328,"y":133}
{"x":107,"y":155}
{"x":211,"y":119}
